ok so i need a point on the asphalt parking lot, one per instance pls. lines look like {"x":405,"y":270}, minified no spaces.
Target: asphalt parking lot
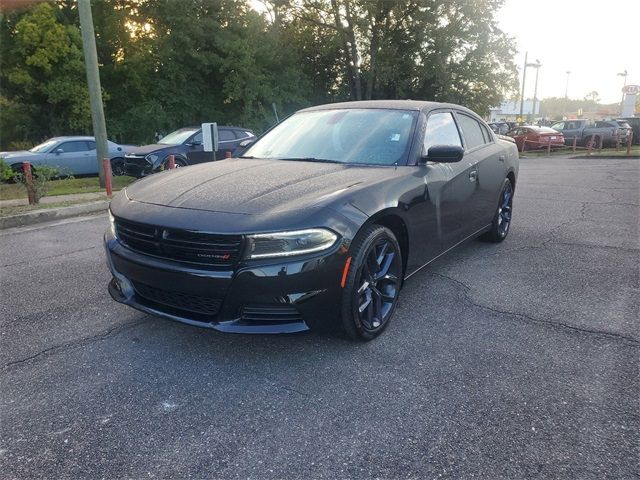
{"x":503,"y":361}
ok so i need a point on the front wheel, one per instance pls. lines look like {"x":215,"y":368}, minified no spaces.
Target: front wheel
{"x":373,"y":283}
{"x":117,"y":167}
{"x":502,"y":217}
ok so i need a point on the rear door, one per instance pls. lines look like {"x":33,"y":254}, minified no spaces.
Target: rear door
{"x":488,"y":159}
{"x":227,"y":142}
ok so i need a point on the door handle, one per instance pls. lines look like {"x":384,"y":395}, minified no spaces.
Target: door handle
{"x":473,"y":175}
{"x":501,"y":158}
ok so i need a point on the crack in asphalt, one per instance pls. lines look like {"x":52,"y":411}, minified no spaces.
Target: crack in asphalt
{"x":78,"y":343}
{"x":553,"y":323}
{"x":550,"y":199}
{"x":49,"y":257}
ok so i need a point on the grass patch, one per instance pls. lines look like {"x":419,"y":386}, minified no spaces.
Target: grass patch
{"x":16,"y":210}
{"x":63,"y":186}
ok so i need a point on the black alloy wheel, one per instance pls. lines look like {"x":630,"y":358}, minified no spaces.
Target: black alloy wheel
{"x":117,"y":167}
{"x":373,"y":283}
{"x":502,"y":218}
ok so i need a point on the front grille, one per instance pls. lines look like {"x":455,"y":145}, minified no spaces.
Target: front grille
{"x":136,"y":166}
{"x":270,"y":314}
{"x":178,"y":300}
{"x":210,"y":250}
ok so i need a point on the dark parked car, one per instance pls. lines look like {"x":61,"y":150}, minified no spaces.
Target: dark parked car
{"x":321,"y":220}
{"x":634,"y":123}
{"x":501,"y":128}
{"x":529,"y":137}
{"x":186,"y":145}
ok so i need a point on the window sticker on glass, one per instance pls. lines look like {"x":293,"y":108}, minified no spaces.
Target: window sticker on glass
{"x":395,"y":137}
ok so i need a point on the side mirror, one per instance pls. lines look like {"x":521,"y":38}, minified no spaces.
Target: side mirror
{"x":58,"y":151}
{"x":443,"y":154}
{"x":195,"y":143}
{"x":247,"y":142}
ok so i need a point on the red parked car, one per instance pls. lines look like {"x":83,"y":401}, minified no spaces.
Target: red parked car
{"x":532,"y":138}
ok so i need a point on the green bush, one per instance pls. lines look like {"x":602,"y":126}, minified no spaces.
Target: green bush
{"x":40,"y":179}
{"x":6,"y":172}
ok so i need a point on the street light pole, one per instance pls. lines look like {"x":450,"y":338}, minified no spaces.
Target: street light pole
{"x":524,"y":78}
{"x":566,"y":87}
{"x":93,"y":82}
{"x":537,"y":66}
{"x":623,"y":74}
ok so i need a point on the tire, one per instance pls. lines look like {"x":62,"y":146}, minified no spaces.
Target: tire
{"x":502,"y":218}
{"x":179,"y":161}
{"x":117,"y":167}
{"x":373,"y":283}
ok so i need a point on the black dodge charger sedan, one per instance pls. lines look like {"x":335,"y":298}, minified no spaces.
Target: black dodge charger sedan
{"x":317,"y":224}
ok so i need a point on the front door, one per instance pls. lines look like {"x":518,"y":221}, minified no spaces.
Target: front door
{"x":455,"y":192}
{"x":71,"y":157}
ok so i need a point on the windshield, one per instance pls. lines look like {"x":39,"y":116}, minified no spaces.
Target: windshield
{"x":360,"y":136}
{"x":178,"y":137}
{"x":43,"y":147}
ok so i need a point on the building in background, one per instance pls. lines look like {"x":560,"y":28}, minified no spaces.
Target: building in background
{"x":510,"y":111}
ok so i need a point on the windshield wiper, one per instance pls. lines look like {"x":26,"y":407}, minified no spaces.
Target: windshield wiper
{"x":249,"y":157}
{"x":309,"y":159}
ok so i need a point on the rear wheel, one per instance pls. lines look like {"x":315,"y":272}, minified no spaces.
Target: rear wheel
{"x":373,"y":283}
{"x":502,"y":218}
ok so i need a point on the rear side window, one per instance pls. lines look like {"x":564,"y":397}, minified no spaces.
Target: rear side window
{"x":472,"y":131}
{"x":441,"y":130}
{"x":70,"y":147}
{"x":487,"y":135}
{"x":226,"y":135}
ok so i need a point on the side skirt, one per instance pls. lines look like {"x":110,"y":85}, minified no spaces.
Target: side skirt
{"x":473,"y":235}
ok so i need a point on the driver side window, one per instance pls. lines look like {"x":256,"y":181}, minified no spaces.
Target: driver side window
{"x":441,"y":130}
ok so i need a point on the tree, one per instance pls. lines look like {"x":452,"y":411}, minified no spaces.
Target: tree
{"x":42,"y":72}
{"x":166,"y":64}
{"x":447,"y":51}
{"x":593,"y":96}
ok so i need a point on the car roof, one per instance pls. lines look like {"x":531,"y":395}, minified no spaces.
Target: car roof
{"x":198,"y":127}
{"x":73,"y":137}
{"x":389,"y":104}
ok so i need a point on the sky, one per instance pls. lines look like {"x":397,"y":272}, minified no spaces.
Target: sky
{"x":594,"y":40}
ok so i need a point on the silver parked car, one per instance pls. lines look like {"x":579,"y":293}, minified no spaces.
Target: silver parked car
{"x":71,"y":155}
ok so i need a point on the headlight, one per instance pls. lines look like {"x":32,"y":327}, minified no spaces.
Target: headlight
{"x":112,"y":223}
{"x":285,"y":244}
{"x":152,"y":158}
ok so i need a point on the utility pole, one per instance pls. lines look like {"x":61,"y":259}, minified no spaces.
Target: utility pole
{"x":524,"y":77}
{"x":537,"y":66}
{"x":93,"y":81}
{"x":566,"y":87}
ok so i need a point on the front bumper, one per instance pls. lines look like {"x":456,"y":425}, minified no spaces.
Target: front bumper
{"x":136,"y":166}
{"x":269,"y":296}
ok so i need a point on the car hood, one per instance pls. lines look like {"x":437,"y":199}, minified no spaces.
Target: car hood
{"x":18,"y":154}
{"x":146,"y":149}
{"x":245,"y":186}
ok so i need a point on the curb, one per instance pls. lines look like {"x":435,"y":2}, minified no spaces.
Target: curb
{"x":47,"y":215}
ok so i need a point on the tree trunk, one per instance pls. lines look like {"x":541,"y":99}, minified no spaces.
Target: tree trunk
{"x":347,"y":36}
